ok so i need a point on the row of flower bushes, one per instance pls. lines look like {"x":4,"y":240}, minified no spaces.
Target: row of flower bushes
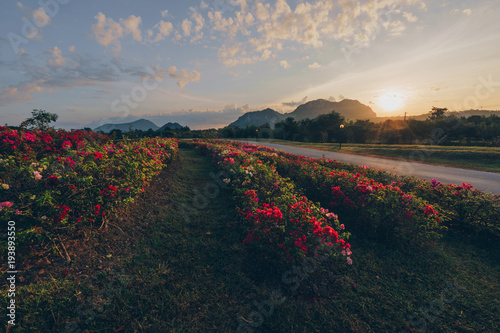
{"x":462,"y":207}
{"x":371,"y":209}
{"x":55,"y":181}
{"x":279,"y":221}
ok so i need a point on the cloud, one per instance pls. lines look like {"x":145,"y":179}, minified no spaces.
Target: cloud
{"x":58,"y":73}
{"x":20,"y":93}
{"x":164,"y":30}
{"x":107,"y":31}
{"x":200,"y":23}
{"x":272,"y":27}
{"x":315,"y":65}
{"x":285,"y":64}
{"x":182,"y":76}
{"x":71,"y":48}
{"x":295,"y":104}
{"x":410,"y":17}
{"x":41,"y":18}
{"x":131,"y":25}
{"x":164,"y":13}
{"x":332,"y":99}
{"x":186,"y":27}
{"x":396,"y":28}
{"x":57,"y":59}
{"x":467,"y":11}
{"x":38,"y":19}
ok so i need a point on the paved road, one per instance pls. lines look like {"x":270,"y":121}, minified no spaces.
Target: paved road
{"x":484,"y":181}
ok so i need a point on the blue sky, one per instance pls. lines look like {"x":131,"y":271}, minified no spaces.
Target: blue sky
{"x":205,"y":63}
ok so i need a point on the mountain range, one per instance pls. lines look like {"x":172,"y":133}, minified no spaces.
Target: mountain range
{"x":350,"y":109}
{"x":141,"y":124}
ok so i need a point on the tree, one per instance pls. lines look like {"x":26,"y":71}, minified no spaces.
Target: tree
{"x":437,"y":113}
{"x":40,"y":120}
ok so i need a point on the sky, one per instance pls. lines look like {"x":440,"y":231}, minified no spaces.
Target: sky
{"x":205,"y":63}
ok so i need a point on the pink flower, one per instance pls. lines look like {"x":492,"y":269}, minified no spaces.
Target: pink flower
{"x":342,"y":227}
{"x":349,"y":261}
{"x":5,"y":204}
{"x":37,"y":175}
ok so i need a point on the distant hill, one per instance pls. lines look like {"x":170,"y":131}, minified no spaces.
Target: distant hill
{"x":172,"y":126}
{"x":350,"y":109}
{"x":258,"y":118}
{"x":141,"y":124}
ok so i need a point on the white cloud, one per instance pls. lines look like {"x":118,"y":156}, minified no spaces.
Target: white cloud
{"x":410,"y":17}
{"x":186,"y":27}
{"x":182,"y":76}
{"x":164,"y":30}
{"x":57,"y":59}
{"x":164,"y":13}
{"x":467,"y":11}
{"x":315,"y":65}
{"x":275,"y":26}
{"x":72,"y":48}
{"x":20,"y":93}
{"x":41,"y":18}
{"x":203,"y":5}
{"x":285,"y":64}
{"x":107,"y":31}
{"x":200,"y":23}
{"x":131,"y":25}
{"x":396,"y":28}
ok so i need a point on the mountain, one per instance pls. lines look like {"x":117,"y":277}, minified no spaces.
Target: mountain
{"x":350,"y":109}
{"x":141,"y":124}
{"x":258,"y":118}
{"x":172,"y":126}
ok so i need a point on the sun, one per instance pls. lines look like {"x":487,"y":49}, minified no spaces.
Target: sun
{"x":391,"y":101}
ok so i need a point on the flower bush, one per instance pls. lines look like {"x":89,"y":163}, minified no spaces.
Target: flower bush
{"x":58,"y":181}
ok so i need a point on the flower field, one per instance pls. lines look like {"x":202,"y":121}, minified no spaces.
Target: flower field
{"x":403,"y":211}
{"x":52,"y":182}
{"x":237,"y":237}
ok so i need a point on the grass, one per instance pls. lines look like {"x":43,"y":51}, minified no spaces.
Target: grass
{"x":474,"y":158}
{"x":193,"y":275}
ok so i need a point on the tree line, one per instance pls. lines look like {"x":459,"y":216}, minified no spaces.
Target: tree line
{"x":439,"y":128}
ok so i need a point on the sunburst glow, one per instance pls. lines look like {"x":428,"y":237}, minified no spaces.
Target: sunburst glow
{"x":391,"y":101}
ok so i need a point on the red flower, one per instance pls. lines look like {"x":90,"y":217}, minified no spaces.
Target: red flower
{"x":250,"y":194}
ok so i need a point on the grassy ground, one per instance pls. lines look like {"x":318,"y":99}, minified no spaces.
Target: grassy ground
{"x":476,"y":158}
{"x":166,"y":273}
